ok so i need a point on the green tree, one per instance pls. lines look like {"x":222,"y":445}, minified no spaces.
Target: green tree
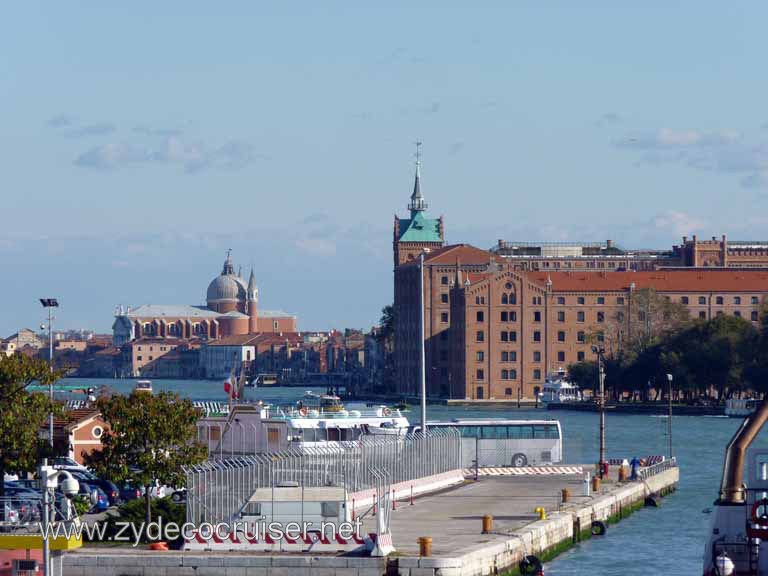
{"x":151,"y":437}
{"x":23,"y":413}
{"x":584,"y":374}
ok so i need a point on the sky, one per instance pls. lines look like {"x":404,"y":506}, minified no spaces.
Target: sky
{"x":141,"y":140}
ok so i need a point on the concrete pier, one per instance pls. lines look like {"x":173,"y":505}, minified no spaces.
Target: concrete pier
{"x":453,"y":518}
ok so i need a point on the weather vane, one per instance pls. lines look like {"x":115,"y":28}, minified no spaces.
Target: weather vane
{"x":418,"y":152}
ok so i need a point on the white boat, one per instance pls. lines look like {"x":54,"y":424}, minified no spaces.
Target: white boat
{"x":740,"y":407}
{"x":557,"y":389}
{"x":143,"y":386}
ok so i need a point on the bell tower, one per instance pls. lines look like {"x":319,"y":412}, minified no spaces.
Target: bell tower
{"x":252,"y":304}
{"x":412,"y":235}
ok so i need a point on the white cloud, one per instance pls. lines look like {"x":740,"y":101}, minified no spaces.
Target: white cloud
{"x":680,"y":223}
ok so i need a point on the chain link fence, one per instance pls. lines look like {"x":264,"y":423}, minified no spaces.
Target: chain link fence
{"x":218,"y":489}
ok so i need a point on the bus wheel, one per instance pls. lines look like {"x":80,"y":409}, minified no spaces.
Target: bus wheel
{"x":519,"y":460}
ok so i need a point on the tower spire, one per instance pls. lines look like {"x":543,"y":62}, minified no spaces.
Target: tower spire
{"x":418,"y":204}
{"x":229,"y":268}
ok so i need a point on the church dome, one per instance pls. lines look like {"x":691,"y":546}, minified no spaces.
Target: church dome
{"x":228,"y":285}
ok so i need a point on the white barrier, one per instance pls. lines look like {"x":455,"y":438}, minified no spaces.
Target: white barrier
{"x":405,"y":490}
{"x":525,"y":471}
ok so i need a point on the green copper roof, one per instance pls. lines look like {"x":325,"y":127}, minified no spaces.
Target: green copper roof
{"x":419,"y":229}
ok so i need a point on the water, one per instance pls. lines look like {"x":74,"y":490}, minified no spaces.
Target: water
{"x":668,"y":540}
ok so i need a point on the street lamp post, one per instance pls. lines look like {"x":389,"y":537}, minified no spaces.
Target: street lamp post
{"x":601,"y":404}
{"x":50,"y":304}
{"x":422,"y":344}
{"x":669,"y":415}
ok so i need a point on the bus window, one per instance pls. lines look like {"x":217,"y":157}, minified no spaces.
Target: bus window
{"x":494,"y":432}
{"x":520,"y":432}
{"x":539,"y":431}
{"x":469,"y":431}
{"x":552,"y":432}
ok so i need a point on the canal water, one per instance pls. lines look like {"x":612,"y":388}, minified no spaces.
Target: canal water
{"x":666,"y":540}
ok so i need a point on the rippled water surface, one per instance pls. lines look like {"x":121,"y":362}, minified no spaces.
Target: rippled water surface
{"x":666,"y":540}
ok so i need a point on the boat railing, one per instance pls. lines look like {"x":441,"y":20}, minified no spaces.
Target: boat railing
{"x":653,"y":470}
{"x":315,"y":413}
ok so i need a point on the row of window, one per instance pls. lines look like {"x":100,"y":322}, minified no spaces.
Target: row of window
{"x":523,"y":432}
{"x":506,"y":374}
{"x":719,"y":300}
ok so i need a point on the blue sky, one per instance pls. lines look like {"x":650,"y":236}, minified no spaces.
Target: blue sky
{"x":141,"y":140}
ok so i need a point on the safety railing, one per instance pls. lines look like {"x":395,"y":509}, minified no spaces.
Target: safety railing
{"x":658,"y":468}
{"x":218,"y":489}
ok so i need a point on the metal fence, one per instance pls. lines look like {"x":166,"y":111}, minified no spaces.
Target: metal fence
{"x":218,"y":489}
{"x":649,"y":471}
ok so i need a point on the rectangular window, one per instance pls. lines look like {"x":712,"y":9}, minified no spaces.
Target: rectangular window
{"x":513,"y":374}
{"x":601,"y":316}
{"x":480,"y":356}
{"x":480,"y":374}
{"x":444,"y":280}
{"x":537,"y":374}
{"x":719,"y":300}
{"x":703,"y":315}
{"x":537,"y":316}
{"x":139,"y":358}
{"x":620,"y":300}
{"x":580,"y":356}
{"x":561,"y":356}
{"x":600,"y":300}
{"x":754,"y":300}
{"x":504,"y":356}
{"x":507,"y":391}
{"x":505,"y":336}
{"x":512,"y":336}
{"x":702,"y":300}
{"x":561,"y":336}
{"x":444,"y":298}
{"x":737,"y":300}
{"x":684,"y":300}
{"x":480,"y":336}
{"x":520,"y":432}
{"x":580,"y":336}
{"x":480,"y":316}
{"x":737,"y":314}
{"x":561,"y":316}
{"x":444,"y":317}
{"x":580,"y":300}
{"x":504,"y":316}
{"x":561,"y":300}
{"x":536,"y":356}
{"x":580,"y":316}
{"x":513,"y":357}
{"x":537,"y":336}
{"x":513,"y":316}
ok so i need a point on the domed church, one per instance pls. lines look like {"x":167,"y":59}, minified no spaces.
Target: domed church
{"x":232,"y":308}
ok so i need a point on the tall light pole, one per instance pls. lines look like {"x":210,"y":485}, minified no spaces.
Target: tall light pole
{"x":601,"y":403}
{"x":422,"y":346}
{"x":669,"y":416}
{"x":50,"y":304}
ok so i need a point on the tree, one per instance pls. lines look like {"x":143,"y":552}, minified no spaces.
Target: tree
{"x":151,"y":437}
{"x":23,"y":413}
{"x":387,"y":327}
{"x":648,"y":319}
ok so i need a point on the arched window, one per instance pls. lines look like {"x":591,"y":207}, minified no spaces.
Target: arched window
{"x":513,"y":298}
{"x":504,"y":299}
{"x":149,"y":328}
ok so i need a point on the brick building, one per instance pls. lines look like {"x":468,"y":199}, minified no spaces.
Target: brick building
{"x":494,"y":329}
{"x":232,"y":308}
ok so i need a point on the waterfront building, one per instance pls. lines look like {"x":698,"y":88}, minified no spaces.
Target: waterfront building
{"x":609,"y":257}
{"x":494,"y":327}
{"x":232,"y":308}
{"x":77,"y":433}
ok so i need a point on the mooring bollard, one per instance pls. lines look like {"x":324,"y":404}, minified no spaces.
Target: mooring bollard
{"x":566,"y":495}
{"x":595,"y":483}
{"x":541,"y":512}
{"x":411,"y":494}
{"x":487,"y":524}
{"x":425,"y":546}
{"x":586,"y":484}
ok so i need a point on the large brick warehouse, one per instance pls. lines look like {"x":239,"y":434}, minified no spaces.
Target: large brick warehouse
{"x":494,"y":330}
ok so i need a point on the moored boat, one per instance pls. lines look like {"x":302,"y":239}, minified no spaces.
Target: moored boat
{"x":558,"y":389}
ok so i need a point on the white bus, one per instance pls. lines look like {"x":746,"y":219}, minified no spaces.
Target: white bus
{"x":497,"y":442}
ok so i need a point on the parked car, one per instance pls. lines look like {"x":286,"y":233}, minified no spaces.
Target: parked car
{"x":107,"y":487}
{"x":69,"y":464}
{"x":130,"y":492}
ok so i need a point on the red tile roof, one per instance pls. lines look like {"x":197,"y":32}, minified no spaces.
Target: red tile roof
{"x":723,"y":280}
{"x":464,"y":253}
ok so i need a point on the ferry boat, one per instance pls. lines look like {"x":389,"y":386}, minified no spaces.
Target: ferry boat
{"x":557,"y":389}
{"x":263,"y":380}
{"x":313,"y":421}
{"x":740,"y":407}
{"x":143,"y":386}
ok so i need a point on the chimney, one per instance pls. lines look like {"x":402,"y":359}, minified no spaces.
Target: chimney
{"x":609,"y":243}
{"x":685,"y":239}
